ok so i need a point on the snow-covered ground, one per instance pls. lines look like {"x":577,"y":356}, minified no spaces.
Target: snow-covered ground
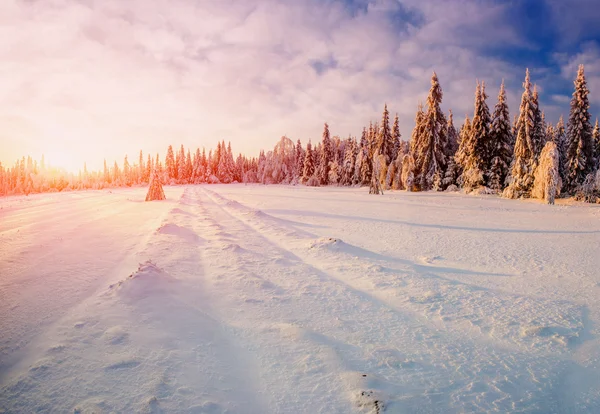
{"x":274,"y":299}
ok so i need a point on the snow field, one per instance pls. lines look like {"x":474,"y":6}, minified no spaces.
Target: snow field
{"x":248,"y":299}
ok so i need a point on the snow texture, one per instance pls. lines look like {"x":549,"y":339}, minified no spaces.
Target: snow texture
{"x":283,"y":299}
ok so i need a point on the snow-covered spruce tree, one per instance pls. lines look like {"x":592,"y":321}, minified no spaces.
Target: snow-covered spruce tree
{"x":524,"y":162}
{"x":408,"y":175}
{"x":481,"y":131}
{"x":349,"y":163}
{"x":155,"y":190}
{"x":396,"y":138}
{"x":579,"y":136}
{"x":547,"y":181}
{"x":429,"y":154}
{"x":500,"y":144}
{"x":379,"y":166}
{"x":452,"y":145}
{"x":366,"y":166}
{"x":539,"y":127}
{"x":384,"y":141}
{"x":170,"y":163}
{"x":356,"y":179}
{"x":596,"y":141}
{"x":334,"y":171}
{"x":309,"y":164}
{"x":326,"y":157}
{"x":560,"y":137}
{"x":474,"y":147}
{"x":299,"y":170}
{"x":463,"y":144}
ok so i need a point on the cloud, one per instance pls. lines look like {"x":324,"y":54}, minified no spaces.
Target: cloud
{"x":106,"y":78}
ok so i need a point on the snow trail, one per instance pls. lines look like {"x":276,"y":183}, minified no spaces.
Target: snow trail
{"x":433,"y":351}
{"x":205,"y":303}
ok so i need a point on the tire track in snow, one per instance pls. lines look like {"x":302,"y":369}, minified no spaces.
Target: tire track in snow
{"x":454,"y":373}
{"x":148,"y":343}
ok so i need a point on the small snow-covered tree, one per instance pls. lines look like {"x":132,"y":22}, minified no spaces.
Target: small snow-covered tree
{"x":547,"y":181}
{"x":155,"y":190}
{"x":408,"y":176}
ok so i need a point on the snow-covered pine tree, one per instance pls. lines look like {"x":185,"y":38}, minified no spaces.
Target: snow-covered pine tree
{"x":396,"y":138}
{"x":579,"y":135}
{"x":326,"y":157}
{"x":429,"y":156}
{"x":408,"y":175}
{"x":596,"y":141}
{"x":155,"y":190}
{"x":357,"y":178}
{"x":366,"y":166}
{"x":299,"y":162}
{"x":464,"y":143}
{"x":452,"y":145}
{"x":524,"y":162}
{"x":384,"y":142}
{"x":416,"y":135}
{"x":181,"y":165}
{"x":539,"y":129}
{"x":560,"y":137}
{"x":501,"y":148}
{"x":481,"y":133}
{"x":148,"y":170}
{"x":474,"y":142}
{"x":188,"y":167}
{"x":547,"y":179}
{"x":349,"y":162}
{"x":309,"y":164}
{"x":170,"y":163}
{"x":378,"y":168}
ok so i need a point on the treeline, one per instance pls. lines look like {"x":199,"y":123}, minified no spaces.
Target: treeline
{"x":528,"y":157}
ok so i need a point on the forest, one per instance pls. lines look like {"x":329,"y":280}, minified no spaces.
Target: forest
{"x":526,"y":158}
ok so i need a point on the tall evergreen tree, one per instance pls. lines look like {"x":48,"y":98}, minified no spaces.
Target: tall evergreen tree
{"x":396,"y":138}
{"x":579,"y":135}
{"x":170,"y":163}
{"x":474,"y":145}
{"x":452,"y":146}
{"x":596,"y":140}
{"x":326,"y":156}
{"x":430,"y":159}
{"x":500,"y":139}
{"x":481,"y":131}
{"x":524,"y":163}
{"x":384,"y":140}
{"x":539,"y":129}
{"x":299,"y":160}
{"x":560,"y":137}
{"x":309,"y":164}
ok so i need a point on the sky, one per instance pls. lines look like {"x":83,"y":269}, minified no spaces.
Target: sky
{"x":85,"y":80}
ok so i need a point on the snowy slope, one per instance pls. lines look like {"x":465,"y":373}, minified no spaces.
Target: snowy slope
{"x":269,"y":299}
